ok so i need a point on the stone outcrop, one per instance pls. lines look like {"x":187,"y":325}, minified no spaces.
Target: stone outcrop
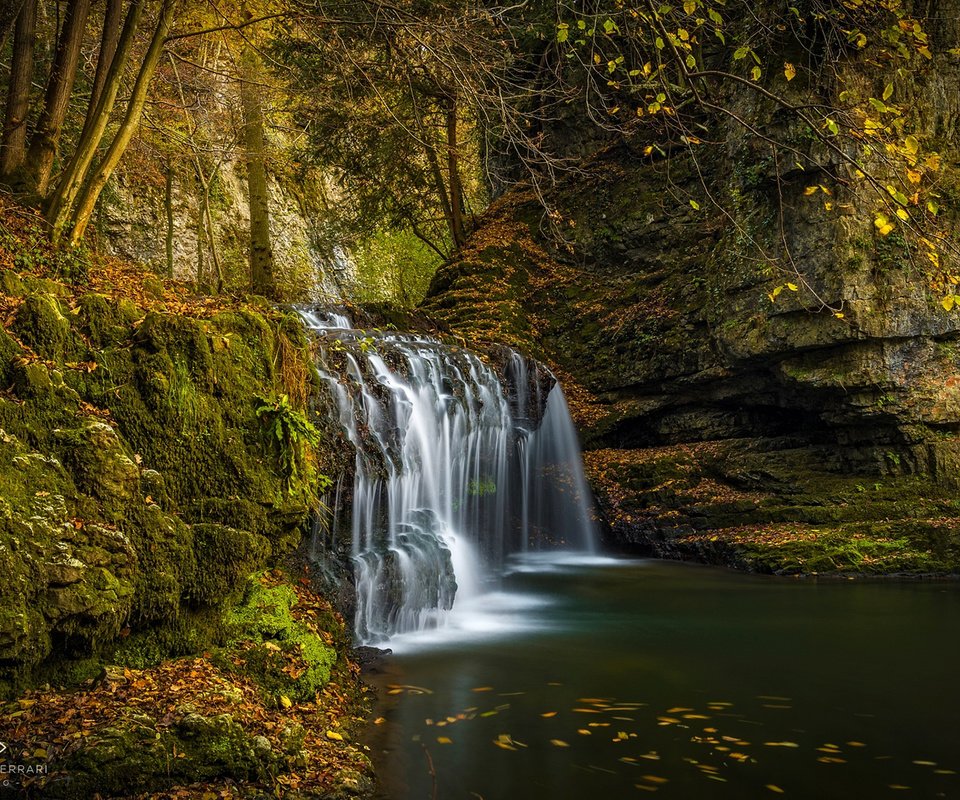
{"x":655,"y":312}
{"x":136,"y":491}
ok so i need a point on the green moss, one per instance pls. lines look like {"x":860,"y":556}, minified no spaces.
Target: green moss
{"x":41,"y":324}
{"x":190,"y":632}
{"x":103,"y":320}
{"x":286,"y":658}
{"x":264,"y":612}
{"x":138,"y":754}
{"x":224,"y":557}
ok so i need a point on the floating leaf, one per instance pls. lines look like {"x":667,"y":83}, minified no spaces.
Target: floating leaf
{"x":792,"y":287}
{"x":781,"y":744}
{"x":444,"y":740}
{"x":774,"y":788}
{"x":548,"y":714}
{"x":694,"y":205}
{"x":559,"y":743}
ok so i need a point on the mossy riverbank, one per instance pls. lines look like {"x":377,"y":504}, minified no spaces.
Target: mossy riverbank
{"x":157,"y":630}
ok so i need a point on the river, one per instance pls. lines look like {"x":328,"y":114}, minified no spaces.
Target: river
{"x":593,"y":677}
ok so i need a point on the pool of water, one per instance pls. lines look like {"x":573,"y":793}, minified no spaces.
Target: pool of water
{"x":625,"y":678}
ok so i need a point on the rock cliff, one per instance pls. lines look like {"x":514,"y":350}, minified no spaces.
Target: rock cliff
{"x":719,"y":419}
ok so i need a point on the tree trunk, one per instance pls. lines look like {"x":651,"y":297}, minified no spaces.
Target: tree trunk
{"x":63,"y":72}
{"x":168,"y":208}
{"x":98,"y":117}
{"x":109,"y":41}
{"x":261,"y":250}
{"x":88,"y":197}
{"x":9,"y":11}
{"x":457,"y":228}
{"x":14,"y":148}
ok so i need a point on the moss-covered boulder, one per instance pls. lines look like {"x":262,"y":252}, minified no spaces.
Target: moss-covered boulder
{"x":136,"y":755}
{"x":289,"y":658}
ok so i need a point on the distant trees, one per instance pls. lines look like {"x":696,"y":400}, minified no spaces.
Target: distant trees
{"x":60,"y":149}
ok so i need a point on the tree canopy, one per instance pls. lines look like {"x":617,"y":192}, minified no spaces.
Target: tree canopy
{"x":417,"y":113}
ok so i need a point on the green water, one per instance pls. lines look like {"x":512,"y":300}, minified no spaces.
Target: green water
{"x":626,"y":679}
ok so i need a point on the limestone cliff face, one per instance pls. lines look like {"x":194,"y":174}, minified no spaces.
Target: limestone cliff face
{"x":133,"y":225}
{"x":660,"y":316}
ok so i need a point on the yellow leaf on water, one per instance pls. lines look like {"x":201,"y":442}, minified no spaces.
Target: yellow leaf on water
{"x":774,"y":788}
{"x":584,"y":732}
{"x":792,"y":287}
{"x":482,"y":689}
{"x":856,"y":744}
{"x":548,"y":714}
{"x":379,"y":721}
{"x":444,"y":740}
{"x":559,"y":743}
{"x":926,"y":763}
{"x":656,"y":779}
{"x":678,"y":710}
{"x":781,"y":744}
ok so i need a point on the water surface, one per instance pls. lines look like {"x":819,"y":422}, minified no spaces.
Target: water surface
{"x":620,"y":679}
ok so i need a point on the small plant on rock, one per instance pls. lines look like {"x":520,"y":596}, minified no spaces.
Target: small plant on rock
{"x":293,"y":439}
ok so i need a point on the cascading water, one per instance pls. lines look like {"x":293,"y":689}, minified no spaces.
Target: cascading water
{"x":453,"y":471}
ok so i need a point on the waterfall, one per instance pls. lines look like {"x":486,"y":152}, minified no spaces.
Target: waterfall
{"x":453,"y":471}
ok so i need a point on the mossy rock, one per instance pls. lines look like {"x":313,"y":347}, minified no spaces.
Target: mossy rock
{"x":225,"y":557}
{"x":41,"y":324}
{"x":105,"y":321}
{"x":287,"y":660}
{"x":96,"y":457}
{"x":139,"y":754}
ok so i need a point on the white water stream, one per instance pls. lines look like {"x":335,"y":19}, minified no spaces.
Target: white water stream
{"x":453,"y":472}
